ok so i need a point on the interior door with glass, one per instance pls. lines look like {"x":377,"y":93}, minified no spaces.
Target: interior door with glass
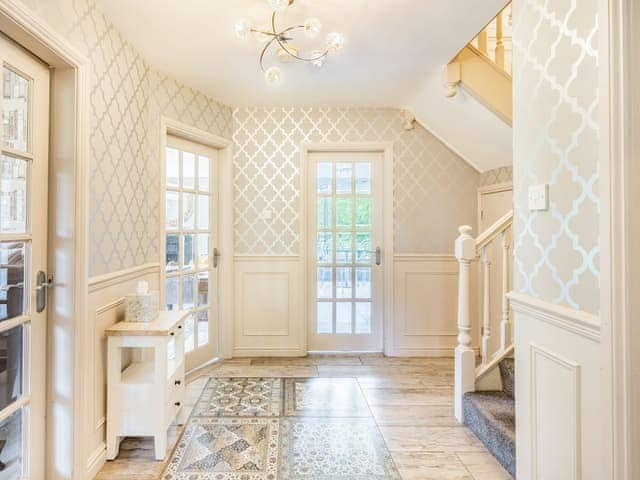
{"x":190,"y":250}
{"x":23,"y":259}
{"x":345,"y":235}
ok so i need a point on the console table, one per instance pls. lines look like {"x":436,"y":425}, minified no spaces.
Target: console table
{"x":145,"y":379}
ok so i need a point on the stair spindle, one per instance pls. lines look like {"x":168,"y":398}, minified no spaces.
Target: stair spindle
{"x":486,"y":304}
{"x":505,"y":324}
{"x":499,"y":42}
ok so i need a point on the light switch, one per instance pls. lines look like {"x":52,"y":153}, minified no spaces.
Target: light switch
{"x":539,"y":197}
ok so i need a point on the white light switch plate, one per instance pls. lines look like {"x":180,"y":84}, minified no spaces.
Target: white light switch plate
{"x":539,"y":197}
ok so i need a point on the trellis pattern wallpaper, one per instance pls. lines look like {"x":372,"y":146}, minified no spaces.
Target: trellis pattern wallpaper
{"x":267,"y":176}
{"x":497,"y":175}
{"x":556,"y":142}
{"x":127,"y":100}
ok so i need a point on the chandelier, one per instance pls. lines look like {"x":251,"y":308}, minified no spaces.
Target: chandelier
{"x":273,"y":36}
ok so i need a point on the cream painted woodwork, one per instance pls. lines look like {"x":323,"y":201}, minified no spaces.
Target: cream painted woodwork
{"x":269,"y":306}
{"x":23,"y":258}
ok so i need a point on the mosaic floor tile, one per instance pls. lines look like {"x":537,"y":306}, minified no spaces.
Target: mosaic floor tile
{"x":240,"y":397}
{"x":324,"y":397}
{"x":226,"y":449}
{"x":334,"y":449}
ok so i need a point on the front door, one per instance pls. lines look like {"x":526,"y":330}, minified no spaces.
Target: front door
{"x":345,"y":235}
{"x":23,"y":259}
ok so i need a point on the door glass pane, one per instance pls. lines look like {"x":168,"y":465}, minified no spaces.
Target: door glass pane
{"x":203,"y":173}
{"x":363,"y":283}
{"x":188,"y":170}
{"x":363,"y":177}
{"x":172,"y":167}
{"x":324,"y":283}
{"x":344,"y":216}
{"x":11,"y":455}
{"x":343,"y":317}
{"x":188,"y":292}
{"x":172,"y":292}
{"x":11,"y":351}
{"x":188,"y":211}
{"x":343,"y":283}
{"x":344,"y":249}
{"x":363,"y":212}
{"x":325,"y":178}
{"x":203,"y":327}
{"x":172,"y":210}
{"x":189,"y":260}
{"x":363,"y":317}
{"x":363,"y":248}
{"x":11,"y":279}
{"x":203,"y":289}
{"x":203,"y":212}
{"x":344,"y":172}
{"x":203,"y":250}
{"x":324,"y":212}
{"x":324,"y":317}
{"x":13,"y":195}
{"x":324,"y":247}
{"x":15,"y":110}
{"x":172,"y":253}
{"x":189,"y":334}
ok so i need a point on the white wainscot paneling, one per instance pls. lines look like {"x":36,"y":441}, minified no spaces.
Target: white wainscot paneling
{"x":425,"y":305}
{"x":269,"y":306}
{"x":559,"y":410}
{"x":106,"y":307}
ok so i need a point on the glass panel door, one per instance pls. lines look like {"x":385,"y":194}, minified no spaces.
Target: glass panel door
{"x":23,"y":218}
{"x":190,"y":243}
{"x":345,"y":232}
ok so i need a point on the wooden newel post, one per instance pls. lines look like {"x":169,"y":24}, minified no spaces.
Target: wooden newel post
{"x":465,"y":249}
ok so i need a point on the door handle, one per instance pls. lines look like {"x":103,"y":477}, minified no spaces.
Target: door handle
{"x":216,"y":256}
{"x":43,"y":283}
{"x":378,"y":254}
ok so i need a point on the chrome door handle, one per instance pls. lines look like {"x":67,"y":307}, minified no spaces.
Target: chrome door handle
{"x":43,"y":283}
{"x":216,"y":256}
{"x":378,"y":253}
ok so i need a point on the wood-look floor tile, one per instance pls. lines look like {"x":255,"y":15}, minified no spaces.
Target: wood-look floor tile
{"x":404,"y":381}
{"x":483,"y":466}
{"x":265,"y":371}
{"x":431,"y":439}
{"x":409,"y":396}
{"x":428,"y":415}
{"x":430,"y":466}
{"x":368,"y":370}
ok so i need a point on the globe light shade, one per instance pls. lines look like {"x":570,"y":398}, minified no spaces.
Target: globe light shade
{"x":335,"y":42}
{"x":273,"y":76}
{"x":312,"y":27}
{"x":319,"y":57}
{"x":278,"y":5}
{"x":242,"y":28}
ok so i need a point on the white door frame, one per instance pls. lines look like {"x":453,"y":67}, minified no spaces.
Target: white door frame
{"x":488,"y":189}
{"x":69,"y":166}
{"x":387,"y":207}
{"x":224,"y":146}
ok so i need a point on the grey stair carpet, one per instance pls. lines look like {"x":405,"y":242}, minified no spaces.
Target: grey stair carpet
{"x":491,"y":416}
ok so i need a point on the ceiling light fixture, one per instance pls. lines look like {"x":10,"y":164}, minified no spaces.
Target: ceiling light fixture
{"x":271,"y":35}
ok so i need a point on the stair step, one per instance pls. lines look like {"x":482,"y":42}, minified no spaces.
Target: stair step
{"x":507,"y":374}
{"x":492,"y":417}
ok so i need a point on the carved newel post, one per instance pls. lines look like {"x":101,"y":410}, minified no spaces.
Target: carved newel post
{"x":465,"y":249}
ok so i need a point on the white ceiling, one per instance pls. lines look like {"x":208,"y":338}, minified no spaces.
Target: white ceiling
{"x":391,"y":46}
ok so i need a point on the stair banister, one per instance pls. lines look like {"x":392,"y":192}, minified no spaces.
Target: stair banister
{"x":465,"y":376}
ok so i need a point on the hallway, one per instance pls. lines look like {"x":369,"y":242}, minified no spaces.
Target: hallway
{"x":401,"y":406}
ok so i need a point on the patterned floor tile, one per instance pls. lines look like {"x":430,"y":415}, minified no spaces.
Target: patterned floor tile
{"x":240,"y":397}
{"x":334,"y":449}
{"x":226,"y":449}
{"x":324,"y":397}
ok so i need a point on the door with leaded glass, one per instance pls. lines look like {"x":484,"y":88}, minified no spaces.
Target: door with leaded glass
{"x":345,"y":244}
{"x":190,"y":248}
{"x":23,"y":261}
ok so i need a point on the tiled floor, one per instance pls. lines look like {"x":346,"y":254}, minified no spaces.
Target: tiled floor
{"x":401,"y":406}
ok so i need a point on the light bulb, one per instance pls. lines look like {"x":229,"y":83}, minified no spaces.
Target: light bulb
{"x":242,"y":28}
{"x":319,"y":57}
{"x":312,"y":27}
{"x":335,"y":42}
{"x":273,"y":76}
{"x":278,"y":5}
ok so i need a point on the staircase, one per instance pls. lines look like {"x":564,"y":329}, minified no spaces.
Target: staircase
{"x":484,"y":384}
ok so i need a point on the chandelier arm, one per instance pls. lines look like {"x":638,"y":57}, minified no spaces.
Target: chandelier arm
{"x":283,"y":44}
{"x":264,"y":50}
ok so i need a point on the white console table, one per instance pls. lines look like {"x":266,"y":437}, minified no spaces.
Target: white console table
{"x":145,"y":379}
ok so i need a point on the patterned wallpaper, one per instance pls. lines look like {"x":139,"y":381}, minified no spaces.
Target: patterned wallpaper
{"x":556,"y":142}
{"x":267,"y":175}
{"x":495,"y":176}
{"x":127,"y":100}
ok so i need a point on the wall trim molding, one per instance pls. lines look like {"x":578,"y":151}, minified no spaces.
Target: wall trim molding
{"x":577,"y":322}
{"x":424,"y":257}
{"x":95,"y":461}
{"x":100,"y":282}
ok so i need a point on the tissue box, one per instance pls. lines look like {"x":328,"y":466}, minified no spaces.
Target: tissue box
{"x":141,"y":307}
